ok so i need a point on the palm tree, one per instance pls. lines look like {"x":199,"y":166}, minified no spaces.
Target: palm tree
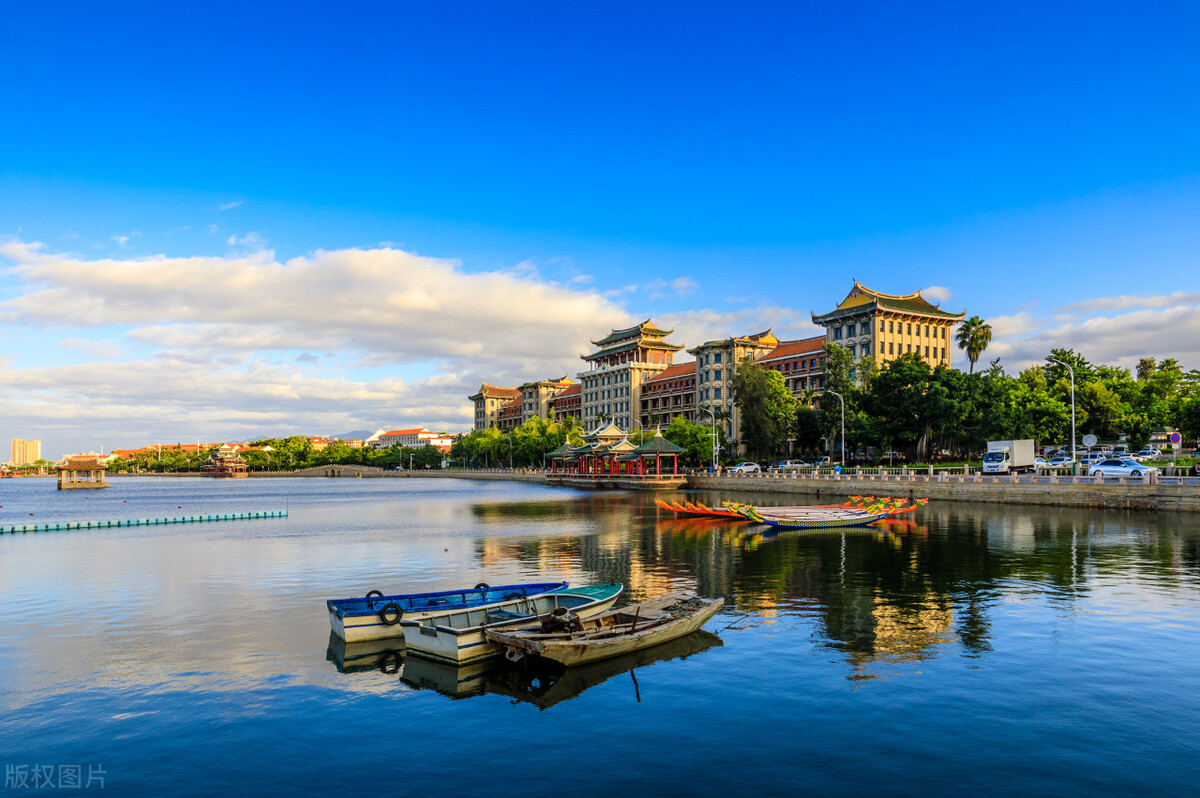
{"x":973,"y":336}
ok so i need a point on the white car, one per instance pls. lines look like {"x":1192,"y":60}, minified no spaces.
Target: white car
{"x":745,"y":468}
{"x":1149,"y":453}
{"x":791,"y":465}
{"x":1060,"y":462}
{"x":1120,"y":467}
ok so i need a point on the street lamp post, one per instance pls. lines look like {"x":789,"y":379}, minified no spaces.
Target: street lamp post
{"x":1067,"y":366}
{"x":712,"y":412}
{"x":843,"y":401}
{"x":509,"y":439}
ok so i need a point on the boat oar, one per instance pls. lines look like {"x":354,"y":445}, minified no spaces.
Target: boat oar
{"x":633,"y":626}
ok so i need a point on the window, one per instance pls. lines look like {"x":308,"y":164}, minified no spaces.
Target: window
{"x":881,"y":326}
{"x":926,"y":330}
{"x":837,"y":333}
{"x":891,"y":326}
{"x":717,"y":359}
{"x":891,"y":348}
{"x":909,"y":349}
{"x":926,"y":351}
{"x":910,"y":328}
{"x":850,"y":328}
{"x":866,"y":350}
{"x":943,"y":332}
{"x":717,"y":373}
{"x":716,"y":393}
{"x":851,"y":348}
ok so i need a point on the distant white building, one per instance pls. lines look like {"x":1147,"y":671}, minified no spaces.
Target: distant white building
{"x":412,"y":438}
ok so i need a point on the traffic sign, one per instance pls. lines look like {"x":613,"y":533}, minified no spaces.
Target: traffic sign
{"x":1176,"y":439}
{"x":1089,"y":441}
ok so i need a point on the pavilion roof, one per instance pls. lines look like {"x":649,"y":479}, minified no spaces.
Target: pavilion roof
{"x":658,"y":445}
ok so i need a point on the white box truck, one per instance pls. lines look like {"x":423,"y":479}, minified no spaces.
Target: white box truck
{"x":1004,"y":457}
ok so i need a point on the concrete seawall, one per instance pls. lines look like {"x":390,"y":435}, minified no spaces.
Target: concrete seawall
{"x":1125,"y":497}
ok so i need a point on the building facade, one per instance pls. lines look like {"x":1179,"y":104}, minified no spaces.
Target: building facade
{"x":25,"y":452}
{"x":668,"y":395}
{"x":412,"y":438}
{"x":568,"y":404}
{"x":622,"y":362}
{"x":884,"y":326}
{"x":489,"y":401}
{"x":715,"y":362}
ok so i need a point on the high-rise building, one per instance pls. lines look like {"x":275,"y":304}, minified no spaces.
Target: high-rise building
{"x":25,"y":452}
{"x":623,"y":360}
{"x":885,"y":326}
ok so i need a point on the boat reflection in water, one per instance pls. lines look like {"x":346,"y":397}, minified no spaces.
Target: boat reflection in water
{"x":385,"y":655}
{"x":544,"y":684}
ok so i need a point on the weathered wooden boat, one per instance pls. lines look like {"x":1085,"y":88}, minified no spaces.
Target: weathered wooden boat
{"x":541,"y":682}
{"x":460,"y":637}
{"x":376,"y":616}
{"x":610,"y":634}
{"x":386,"y":655}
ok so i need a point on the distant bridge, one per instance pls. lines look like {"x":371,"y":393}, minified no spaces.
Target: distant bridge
{"x":333,"y":470}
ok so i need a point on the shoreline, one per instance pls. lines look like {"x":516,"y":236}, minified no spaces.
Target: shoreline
{"x":1157,"y":498}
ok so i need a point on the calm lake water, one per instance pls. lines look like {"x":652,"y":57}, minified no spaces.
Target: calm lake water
{"x":974,"y":650}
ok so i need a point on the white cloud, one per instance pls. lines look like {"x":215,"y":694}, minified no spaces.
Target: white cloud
{"x":229,"y":205}
{"x":937,"y":293}
{"x":683,"y":285}
{"x":221,"y":344}
{"x":1164,"y":326}
{"x":1118,"y":303}
{"x":251,"y":239}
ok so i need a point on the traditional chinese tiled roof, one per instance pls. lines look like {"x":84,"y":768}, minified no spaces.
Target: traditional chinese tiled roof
{"x":862,"y":298}
{"x":609,"y":431}
{"x":415,"y":431}
{"x":658,"y":445}
{"x":561,"y":451}
{"x":674,"y":372}
{"x":494,"y":392}
{"x":787,"y":349}
{"x":662,"y":345}
{"x":82,"y":463}
{"x":574,"y":390}
{"x":645,"y":328}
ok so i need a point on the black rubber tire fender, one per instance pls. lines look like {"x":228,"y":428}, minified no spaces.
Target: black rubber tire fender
{"x":386,"y":611}
{"x":482,"y":586}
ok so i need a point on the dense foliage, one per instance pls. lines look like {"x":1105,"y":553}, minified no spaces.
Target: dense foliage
{"x":926,"y":412}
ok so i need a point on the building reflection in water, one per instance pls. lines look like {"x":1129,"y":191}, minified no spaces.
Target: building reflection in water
{"x":906,"y":592}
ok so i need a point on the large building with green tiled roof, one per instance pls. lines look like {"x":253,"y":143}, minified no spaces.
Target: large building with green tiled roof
{"x":885,"y":326}
{"x":623,"y":360}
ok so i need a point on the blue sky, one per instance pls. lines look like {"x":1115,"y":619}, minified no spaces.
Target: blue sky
{"x":225,"y":221}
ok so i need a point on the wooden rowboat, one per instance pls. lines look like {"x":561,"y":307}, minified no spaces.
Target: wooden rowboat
{"x":613,"y":633}
{"x":460,"y":637}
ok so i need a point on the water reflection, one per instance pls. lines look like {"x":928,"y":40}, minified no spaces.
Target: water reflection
{"x":544,"y":684}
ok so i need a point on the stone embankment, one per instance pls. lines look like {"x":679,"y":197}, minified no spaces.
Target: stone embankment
{"x":1064,"y":493}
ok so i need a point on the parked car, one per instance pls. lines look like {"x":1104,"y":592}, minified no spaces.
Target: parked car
{"x":1120,"y":450}
{"x":1060,"y":462}
{"x":745,"y":468}
{"x":1091,"y":458}
{"x":1120,"y":467}
{"x":1040,"y":462}
{"x":791,"y":465}
{"x":1149,"y":453}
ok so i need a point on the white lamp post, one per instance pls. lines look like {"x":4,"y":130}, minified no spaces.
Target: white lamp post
{"x":1074,"y":465}
{"x":712,"y":412}
{"x":843,"y":401}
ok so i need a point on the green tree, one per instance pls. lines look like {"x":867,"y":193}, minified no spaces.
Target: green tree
{"x":766,"y":407}
{"x":973,"y":337}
